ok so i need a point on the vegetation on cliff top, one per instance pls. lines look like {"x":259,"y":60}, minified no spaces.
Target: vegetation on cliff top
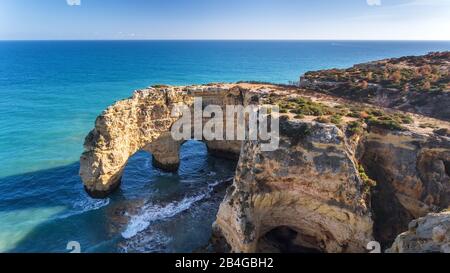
{"x":412,"y":73}
{"x":353,"y":116}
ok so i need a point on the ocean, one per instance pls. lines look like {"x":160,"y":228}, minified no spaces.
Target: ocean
{"x":51,"y":93}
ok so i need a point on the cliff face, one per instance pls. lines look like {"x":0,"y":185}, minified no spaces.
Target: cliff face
{"x":429,"y":234}
{"x":123,"y":129}
{"x":344,"y":174}
{"x":143,"y":122}
{"x":309,"y":186}
{"x":417,"y":84}
{"x":433,"y":104}
{"x":315,"y":186}
{"x":412,"y":175}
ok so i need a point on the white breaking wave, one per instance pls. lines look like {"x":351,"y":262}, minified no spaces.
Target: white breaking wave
{"x":84,"y":205}
{"x":88,"y":204}
{"x":153,"y":212}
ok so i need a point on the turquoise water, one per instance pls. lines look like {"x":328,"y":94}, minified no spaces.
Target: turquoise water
{"x":51,"y":93}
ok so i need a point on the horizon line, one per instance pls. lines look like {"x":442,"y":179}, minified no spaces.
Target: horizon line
{"x":281,"y":40}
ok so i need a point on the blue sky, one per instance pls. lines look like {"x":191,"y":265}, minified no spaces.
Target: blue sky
{"x":225,"y":19}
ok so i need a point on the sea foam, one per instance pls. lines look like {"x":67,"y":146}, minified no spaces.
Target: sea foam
{"x":152,"y":212}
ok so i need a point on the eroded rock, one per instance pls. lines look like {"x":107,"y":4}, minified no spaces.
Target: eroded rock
{"x":311,"y":194}
{"x":123,"y":129}
{"x":429,"y":234}
{"x":143,"y":122}
{"x":411,"y":174}
{"x":309,"y":185}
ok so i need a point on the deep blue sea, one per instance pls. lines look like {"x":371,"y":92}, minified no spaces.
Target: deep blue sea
{"x":50,"y":94}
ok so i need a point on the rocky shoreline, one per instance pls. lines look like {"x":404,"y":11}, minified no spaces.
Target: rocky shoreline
{"x":346,"y":173}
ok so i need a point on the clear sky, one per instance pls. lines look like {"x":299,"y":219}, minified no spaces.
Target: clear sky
{"x":225,"y":19}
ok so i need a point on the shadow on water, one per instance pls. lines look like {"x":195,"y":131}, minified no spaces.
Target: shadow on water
{"x":21,"y":191}
{"x":42,"y":211}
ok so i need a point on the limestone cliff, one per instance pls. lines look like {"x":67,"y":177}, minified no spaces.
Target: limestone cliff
{"x":310,"y":185}
{"x":315,"y":185}
{"x":413,"y":177}
{"x":429,"y":234}
{"x":417,"y":84}
{"x":344,"y":173}
{"x":123,"y":129}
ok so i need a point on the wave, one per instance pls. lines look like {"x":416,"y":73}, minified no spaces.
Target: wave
{"x":153,"y":212}
{"x":88,"y":204}
{"x":84,"y":205}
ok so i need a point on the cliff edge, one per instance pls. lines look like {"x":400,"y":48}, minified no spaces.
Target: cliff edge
{"x":346,"y":172}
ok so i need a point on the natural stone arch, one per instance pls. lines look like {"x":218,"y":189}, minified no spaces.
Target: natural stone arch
{"x":120,"y":131}
{"x":143,"y":122}
{"x":165,"y":151}
{"x":312,"y":184}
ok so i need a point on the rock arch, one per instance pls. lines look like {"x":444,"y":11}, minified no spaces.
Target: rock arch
{"x":143,"y":122}
{"x":311,"y":186}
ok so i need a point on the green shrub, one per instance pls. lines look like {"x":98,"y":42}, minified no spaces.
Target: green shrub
{"x":365,"y":178}
{"x":160,"y":86}
{"x":405,"y":119}
{"x":375,"y":112}
{"x":336,"y":119}
{"x":384,"y":122}
{"x":353,"y":114}
{"x":304,"y":106}
{"x":355,"y":128}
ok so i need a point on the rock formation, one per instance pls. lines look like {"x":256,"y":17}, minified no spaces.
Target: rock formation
{"x":429,"y":234}
{"x":344,"y":174}
{"x":143,"y":122}
{"x":310,"y":185}
{"x":417,"y":84}
{"x":412,"y":174}
{"x":139,"y":122}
